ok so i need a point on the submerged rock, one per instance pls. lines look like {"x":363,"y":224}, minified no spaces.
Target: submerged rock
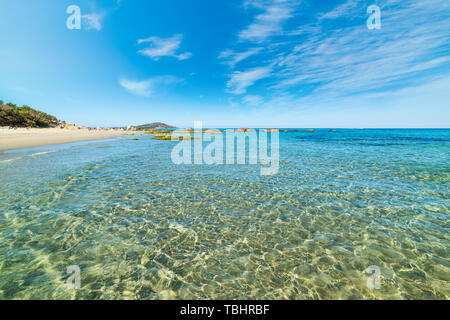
{"x":166,"y":137}
{"x":157,"y":131}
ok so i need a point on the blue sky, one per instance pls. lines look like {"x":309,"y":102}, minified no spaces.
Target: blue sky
{"x":233,"y":63}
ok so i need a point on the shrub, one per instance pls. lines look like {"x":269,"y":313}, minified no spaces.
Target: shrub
{"x":25,"y":116}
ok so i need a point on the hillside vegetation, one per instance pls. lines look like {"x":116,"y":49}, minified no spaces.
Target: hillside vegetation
{"x":25,"y":116}
{"x":154,"y":125}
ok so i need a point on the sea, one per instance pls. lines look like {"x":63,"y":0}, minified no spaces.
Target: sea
{"x":350,"y":214}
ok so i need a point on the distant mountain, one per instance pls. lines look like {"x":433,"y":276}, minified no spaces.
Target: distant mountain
{"x":154,"y":125}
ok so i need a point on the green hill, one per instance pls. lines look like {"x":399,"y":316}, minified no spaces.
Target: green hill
{"x":154,"y":125}
{"x":25,"y":116}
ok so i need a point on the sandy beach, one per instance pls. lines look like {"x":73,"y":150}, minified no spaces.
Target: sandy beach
{"x":28,"y":138}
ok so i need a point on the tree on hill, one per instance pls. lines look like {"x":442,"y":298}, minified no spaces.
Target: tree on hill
{"x":25,"y":116}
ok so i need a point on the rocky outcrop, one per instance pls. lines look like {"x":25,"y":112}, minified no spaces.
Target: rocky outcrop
{"x":272,"y":130}
{"x":71,"y":126}
{"x":213,"y":131}
{"x":244,"y":130}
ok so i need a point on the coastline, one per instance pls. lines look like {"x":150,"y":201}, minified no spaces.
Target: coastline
{"x":22,"y":138}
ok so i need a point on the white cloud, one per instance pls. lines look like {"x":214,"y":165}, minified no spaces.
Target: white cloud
{"x":164,"y":47}
{"x":93,"y":20}
{"x":354,"y":59}
{"x":138,"y":88}
{"x":184,"y":56}
{"x":240,"y":81}
{"x":270,"y":22}
{"x":253,"y":100}
{"x":324,"y":66}
{"x":147,"y":87}
{"x":341,"y":10}
{"x":421,"y":106}
{"x":232,"y":58}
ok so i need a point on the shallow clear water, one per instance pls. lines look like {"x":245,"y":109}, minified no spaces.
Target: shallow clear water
{"x":141,"y":227}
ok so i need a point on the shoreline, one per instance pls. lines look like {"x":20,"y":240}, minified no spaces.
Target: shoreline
{"x":22,"y":138}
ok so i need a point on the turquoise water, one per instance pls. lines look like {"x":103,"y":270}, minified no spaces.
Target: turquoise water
{"x":140,"y":227}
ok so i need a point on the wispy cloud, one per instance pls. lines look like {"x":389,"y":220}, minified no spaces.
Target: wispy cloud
{"x":239,"y":81}
{"x":148,"y":87}
{"x":326,"y":59}
{"x":253,"y":100}
{"x":93,"y":21}
{"x":355,"y":59}
{"x":232,"y":58}
{"x":341,"y":10}
{"x":270,"y":22}
{"x":160,"y":47}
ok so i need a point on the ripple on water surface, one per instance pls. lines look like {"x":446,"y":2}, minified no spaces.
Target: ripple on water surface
{"x":140,"y":227}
